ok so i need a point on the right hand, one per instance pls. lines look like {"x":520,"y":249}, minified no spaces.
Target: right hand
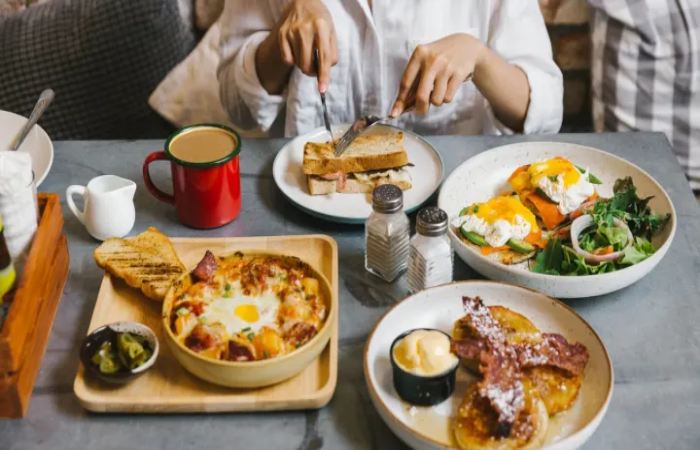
{"x":306,"y":26}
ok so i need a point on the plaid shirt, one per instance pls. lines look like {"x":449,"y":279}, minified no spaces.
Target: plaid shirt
{"x":646,"y":72}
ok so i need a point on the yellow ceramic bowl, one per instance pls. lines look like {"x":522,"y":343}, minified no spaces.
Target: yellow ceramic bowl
{"x":251,"y":374}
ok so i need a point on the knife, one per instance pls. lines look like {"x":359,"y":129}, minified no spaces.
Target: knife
{"x":326,"y":118}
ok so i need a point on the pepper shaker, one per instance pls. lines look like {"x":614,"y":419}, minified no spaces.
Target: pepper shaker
{"x":431,"y":257}
{"x":387,"y":234}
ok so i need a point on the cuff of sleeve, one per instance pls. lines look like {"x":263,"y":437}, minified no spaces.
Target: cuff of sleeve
{"x":546,"y":109}
{"x":263,"y":106}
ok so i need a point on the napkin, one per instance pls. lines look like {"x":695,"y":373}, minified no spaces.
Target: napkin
{"x":18,"y":206}
{"x":15,"y":171}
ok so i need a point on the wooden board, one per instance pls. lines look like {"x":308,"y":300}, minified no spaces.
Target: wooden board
{"x":168,"y":387}
{"x":26,"y":330}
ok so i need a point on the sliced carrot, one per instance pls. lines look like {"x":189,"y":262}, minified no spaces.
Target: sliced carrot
{"x":593,"y":197}
{"x":535,"y":238}
{"x":604,"y":250}
{"x":548,"y":211}
{"x":487,"y":250}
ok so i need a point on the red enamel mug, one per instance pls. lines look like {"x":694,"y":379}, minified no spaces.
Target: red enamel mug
{"x":205,"y":168}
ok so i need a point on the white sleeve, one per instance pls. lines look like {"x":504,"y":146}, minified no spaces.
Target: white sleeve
{"x":245,"y":25}
{"x":518,"y":34}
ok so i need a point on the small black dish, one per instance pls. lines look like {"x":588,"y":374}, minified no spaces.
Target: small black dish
{"x":96,"y":338}
{"x":422,"y":390}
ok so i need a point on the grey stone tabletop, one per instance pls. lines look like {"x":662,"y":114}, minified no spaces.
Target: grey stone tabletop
{"x":651,"y":329}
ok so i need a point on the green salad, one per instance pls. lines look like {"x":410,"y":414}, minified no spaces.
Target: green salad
{"x":614,"y":233}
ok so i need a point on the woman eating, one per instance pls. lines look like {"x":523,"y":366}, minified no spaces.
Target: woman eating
{"x":447,"y":67}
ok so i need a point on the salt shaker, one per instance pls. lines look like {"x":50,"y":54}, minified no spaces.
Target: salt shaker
{"x":430,"y":260}
{"x":387,"y":234}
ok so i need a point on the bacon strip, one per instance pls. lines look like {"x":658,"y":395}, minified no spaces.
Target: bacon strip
{"x":554,"y":350}
{"x":205,"y":268}
{"x":502,"y":384}
{"x":501,"y":363}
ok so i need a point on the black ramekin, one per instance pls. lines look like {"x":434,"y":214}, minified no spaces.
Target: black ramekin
{"x":422,"y":390}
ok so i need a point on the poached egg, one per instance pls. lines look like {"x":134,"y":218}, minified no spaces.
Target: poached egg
{"x":560,"y":180}
{"x":499,"y":220}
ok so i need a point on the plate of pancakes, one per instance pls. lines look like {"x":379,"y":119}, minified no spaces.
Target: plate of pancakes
{"x":531,"y":372}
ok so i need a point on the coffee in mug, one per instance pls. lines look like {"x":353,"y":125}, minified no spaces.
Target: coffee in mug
{"x":205,"y":168}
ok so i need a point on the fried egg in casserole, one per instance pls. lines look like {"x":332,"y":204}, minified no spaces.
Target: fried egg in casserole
{"x":254,"y":307}
{"x":558,"y":178}
{"x":499,"y":220}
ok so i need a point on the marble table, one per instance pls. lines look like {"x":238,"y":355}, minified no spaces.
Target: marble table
{"x":652,"y":329}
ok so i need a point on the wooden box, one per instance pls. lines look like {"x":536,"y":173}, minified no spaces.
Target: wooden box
{"x":26,"y":329}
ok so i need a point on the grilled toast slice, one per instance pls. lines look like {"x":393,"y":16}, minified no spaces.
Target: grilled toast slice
{"x":147,"y":262}
{"x":377,"y":149}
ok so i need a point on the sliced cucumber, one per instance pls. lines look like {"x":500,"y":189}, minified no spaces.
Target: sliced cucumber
{"x":474,"y":238}
{"x":520,"y":246}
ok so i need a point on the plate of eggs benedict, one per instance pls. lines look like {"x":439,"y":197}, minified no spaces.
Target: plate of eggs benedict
{"x":568,"y":220}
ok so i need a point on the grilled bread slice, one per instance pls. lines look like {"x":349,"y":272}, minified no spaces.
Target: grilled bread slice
{"x":147,"y":262}
{"x":379,"y":148}
{"x":476,"y":424}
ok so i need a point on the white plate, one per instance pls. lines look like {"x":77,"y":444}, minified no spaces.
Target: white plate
{"x":37,"y":143}
{"x":439,"y":307}
{"x":485,"y":175}
{"x":426,"y":177}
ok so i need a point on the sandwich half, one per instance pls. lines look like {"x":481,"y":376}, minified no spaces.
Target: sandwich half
{"x":374,"y":158}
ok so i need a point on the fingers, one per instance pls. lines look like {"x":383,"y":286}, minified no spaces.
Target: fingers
{"x":437,"y":97}
{"x":325,"y":56}
{"x":408,"y":79}
{"x":452,"y":86}
{"x":285,"y":47}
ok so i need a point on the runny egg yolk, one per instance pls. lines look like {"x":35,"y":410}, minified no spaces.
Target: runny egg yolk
{"x":529,"y":178}
{"x":505,"y":207}
{"x":247,"y":312}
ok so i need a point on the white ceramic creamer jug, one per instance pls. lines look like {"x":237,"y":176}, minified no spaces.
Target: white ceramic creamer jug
{"x":108,"y":209}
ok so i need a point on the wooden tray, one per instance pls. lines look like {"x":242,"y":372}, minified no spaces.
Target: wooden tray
{"x":168,"y":387}
{"x":26,"y":330}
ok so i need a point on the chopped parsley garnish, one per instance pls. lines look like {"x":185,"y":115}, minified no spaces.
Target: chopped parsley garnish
{"x":246,"y":329}
{"x":250,"y":336}
{"x":553,"y":178}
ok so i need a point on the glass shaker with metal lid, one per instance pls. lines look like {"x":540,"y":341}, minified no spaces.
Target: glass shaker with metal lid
{"x":431,"y":258}
{"x":387,"y":233}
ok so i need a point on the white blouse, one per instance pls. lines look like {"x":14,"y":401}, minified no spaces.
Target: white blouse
{"x":374,"y":46}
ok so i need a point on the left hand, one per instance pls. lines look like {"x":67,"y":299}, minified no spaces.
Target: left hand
{"x":436,"y":70}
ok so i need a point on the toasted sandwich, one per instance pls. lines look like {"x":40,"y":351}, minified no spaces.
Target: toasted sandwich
{"x":374,"y":158}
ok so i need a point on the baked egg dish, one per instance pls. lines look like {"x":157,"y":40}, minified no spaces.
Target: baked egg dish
{"x":248,"y":307}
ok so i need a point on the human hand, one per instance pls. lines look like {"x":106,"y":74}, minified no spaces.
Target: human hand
{"x":307,"y":26}
{"x":435,"y":72}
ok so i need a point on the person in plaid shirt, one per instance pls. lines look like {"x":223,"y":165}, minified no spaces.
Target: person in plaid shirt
{"x":646,"y":72}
